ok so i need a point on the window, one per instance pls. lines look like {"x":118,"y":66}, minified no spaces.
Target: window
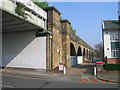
{"x":115,"y":53}
{"x":115,"y":45}
{"x":114,"y":36}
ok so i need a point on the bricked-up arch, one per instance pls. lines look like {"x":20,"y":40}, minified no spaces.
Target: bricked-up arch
{"x":87,"y":54}
{"x":79,"y":51}
{"x":84,"y":52}
{"x":79,"y":56}
{"x":72,"y":50}
{"x":73,"y":56}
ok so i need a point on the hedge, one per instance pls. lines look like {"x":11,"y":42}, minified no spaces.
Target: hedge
{"x":111,"y":66}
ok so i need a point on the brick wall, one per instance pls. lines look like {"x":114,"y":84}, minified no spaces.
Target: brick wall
{"x":56,"y":42}
{"x":113,"y":60}
{"x":65,"y":26}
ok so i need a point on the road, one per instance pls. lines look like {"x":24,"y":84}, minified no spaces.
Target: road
{"x":27,"y":82}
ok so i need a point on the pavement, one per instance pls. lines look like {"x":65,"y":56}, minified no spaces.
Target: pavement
{"x":109,"y":78}
{"x":80,"y":73}
{"x":113,"y":76}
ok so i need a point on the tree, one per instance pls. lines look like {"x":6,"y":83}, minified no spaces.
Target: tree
{"x":41,"y":4}
{"x":73,"y":30}
{"x":35,"y":0}
{"x":20,"y":10}
{"x":99,"y":51}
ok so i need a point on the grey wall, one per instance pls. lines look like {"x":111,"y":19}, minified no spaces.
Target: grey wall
{"x":24,"y":50}
{"x":0,"y":48}
{"x":0,"y":38}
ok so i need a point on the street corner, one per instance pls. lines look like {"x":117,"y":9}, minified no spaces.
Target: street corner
{"x":94,"y":81}
{"x":108,"y":80}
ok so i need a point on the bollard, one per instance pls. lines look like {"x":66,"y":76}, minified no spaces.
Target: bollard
{"x":64,"y":70}
{"x":95,"y":71}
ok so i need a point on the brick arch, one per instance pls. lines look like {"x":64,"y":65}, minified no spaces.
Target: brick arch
{"x":75,"y":45}
{"x":85,"y":50}
{"x":79,"y":51}
{"x":72,"y":50}
{"x":73,"y":55}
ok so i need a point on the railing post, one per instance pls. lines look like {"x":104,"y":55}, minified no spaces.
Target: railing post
{"x":95,"y":71}
{"x":64,"y":70}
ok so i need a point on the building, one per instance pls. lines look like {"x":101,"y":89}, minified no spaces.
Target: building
{"x":111,"y":40}
{"x":24,"y":41}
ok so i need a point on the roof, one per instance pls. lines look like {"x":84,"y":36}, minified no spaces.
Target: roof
{"x":111,"y":25}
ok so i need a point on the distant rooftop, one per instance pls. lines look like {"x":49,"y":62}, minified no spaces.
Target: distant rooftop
{"x":65,"y":20}
{"x":52,"y":8}
{"x":111,"y":25}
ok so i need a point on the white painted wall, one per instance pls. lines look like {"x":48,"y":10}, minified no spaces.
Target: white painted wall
{"x":107,"y":44}
{"x":79,"y":59}
{"x":24,"y":50}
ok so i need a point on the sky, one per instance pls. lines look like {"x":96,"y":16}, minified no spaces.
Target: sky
{"x":86,"y":17}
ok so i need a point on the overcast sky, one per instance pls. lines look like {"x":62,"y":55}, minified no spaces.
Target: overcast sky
{"x":86,"y":17}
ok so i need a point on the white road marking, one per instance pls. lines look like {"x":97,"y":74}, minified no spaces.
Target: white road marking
{"x":7,"y":86}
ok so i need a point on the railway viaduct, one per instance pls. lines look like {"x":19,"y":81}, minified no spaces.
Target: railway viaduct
{"x":66,"y":47}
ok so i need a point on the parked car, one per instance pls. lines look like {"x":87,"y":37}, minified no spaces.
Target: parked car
{"x":99,"y":61}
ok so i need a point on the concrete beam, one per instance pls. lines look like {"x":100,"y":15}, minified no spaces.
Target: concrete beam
{"x":12,"y":23}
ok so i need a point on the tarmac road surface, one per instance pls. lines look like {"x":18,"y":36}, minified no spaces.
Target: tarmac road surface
{"x":27,"y":82}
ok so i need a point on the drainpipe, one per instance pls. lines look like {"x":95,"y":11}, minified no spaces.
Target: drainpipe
{"x":51,"y":55}
{"x":50,"y":52}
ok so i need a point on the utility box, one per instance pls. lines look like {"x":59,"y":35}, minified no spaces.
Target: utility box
{"x":61,"y":67}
